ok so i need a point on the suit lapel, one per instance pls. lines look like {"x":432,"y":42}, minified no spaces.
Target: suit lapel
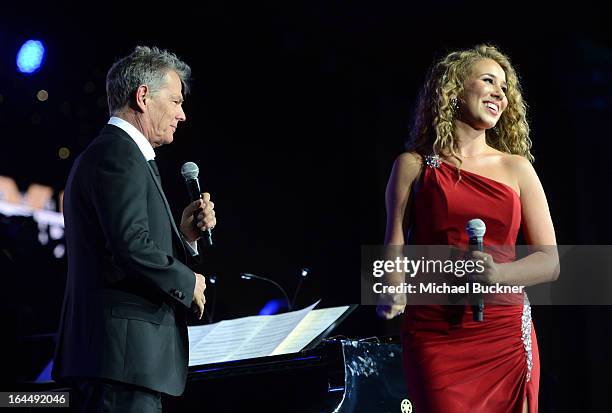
{"x":121,"y":134}
{"x":168,"y":210}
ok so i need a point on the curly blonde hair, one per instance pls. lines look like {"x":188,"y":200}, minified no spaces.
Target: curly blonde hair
{"x":433,"y":128}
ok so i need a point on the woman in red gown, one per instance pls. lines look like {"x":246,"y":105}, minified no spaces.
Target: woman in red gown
{"x":469,"y":157}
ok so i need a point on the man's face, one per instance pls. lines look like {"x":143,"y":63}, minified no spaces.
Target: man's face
{"x":165,"y":111}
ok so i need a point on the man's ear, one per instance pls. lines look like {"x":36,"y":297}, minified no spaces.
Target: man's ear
{"x":142,"y":96}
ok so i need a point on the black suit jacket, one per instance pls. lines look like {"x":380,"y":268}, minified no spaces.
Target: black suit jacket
{"x":127,"y":294}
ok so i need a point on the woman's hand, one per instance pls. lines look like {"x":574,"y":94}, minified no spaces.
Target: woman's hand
{"x":491,"y":274}
{"x":391,"y":305}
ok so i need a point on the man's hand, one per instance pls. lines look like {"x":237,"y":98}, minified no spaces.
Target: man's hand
{"x":198,"y":296}
{"x":198,"y":217}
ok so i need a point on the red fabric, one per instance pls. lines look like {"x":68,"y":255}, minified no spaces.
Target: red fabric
{"x":452,"y":363}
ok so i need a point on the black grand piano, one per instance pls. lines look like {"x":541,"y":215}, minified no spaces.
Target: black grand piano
{"x":338,"y":375}
{"x":331,"y":374}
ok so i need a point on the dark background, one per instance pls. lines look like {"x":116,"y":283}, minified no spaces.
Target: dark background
{"x":296,"y":114}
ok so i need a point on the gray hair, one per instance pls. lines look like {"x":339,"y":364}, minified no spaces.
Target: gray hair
{"x":144,"y":66}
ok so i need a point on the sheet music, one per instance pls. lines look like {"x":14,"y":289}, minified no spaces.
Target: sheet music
{"x":311,"y":326}
{"x":224,"y":338}
{"x":273,"y":331}
{"x":241,"y":338}
{"x":197,"y":334}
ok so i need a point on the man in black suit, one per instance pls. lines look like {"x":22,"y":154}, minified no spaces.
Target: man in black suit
{"x":123,"y":334}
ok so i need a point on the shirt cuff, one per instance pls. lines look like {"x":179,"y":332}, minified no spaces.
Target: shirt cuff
{"x":193,"y":247}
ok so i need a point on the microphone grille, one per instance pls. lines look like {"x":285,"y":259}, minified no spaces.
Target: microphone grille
{"x":476,"y":228}
{"x":190,"y":170}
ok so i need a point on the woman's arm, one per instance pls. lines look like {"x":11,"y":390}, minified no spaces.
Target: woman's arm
{"x":542,"y":264}
{"x":405,"y":172}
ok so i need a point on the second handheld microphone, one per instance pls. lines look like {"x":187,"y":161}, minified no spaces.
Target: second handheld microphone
{"x":476,"y":229}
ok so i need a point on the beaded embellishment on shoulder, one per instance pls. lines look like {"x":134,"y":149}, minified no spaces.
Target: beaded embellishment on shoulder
{"x":433,"y":161}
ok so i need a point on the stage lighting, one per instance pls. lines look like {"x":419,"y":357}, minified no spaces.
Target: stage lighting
{"x":273,"y":306}
{"x":42,"y":95}
{"x":63,"y":152}
{"x":30,"y":56}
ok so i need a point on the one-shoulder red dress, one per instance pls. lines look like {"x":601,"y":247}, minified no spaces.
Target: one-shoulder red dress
{"x":452,"y":363}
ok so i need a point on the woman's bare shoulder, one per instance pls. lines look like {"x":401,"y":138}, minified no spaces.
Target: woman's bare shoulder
{"x":518,"y":164}
{"x":409,"y":160}
{"x":406,"y":168}
{"x":522,"y":170}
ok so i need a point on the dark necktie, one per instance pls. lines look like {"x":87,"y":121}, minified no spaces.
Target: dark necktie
{"x":154,"y":167}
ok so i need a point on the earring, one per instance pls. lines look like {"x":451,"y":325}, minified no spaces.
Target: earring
{"x":454,"y":105}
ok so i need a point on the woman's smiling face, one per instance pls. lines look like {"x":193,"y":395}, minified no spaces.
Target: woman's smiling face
{"x":484,"y":95}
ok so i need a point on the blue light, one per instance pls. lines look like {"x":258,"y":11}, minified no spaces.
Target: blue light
{"x":45,"y":375}
{"x":333,"y":389}
{"x":30,"y":56}
{"x":273,"y":307}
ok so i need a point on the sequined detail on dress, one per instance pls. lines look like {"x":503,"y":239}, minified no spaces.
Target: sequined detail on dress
{"x":433,"y":161}
{"x":526,"y":334}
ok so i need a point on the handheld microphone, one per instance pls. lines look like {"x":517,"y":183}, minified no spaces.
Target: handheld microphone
{"x":248,"y":276}
{"x":190,"y":172}
{"x":476,"y":229}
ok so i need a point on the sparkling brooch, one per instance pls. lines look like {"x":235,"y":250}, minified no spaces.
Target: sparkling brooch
{"x":433,"y":161}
